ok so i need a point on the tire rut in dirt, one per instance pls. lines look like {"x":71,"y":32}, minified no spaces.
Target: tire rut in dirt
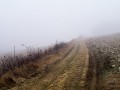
{"x":92,"y":72}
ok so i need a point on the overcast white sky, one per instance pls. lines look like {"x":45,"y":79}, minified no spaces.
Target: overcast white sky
{"x":42,"y":22}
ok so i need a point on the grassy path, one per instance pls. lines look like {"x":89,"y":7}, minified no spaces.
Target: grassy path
{"x":68,"y":73}
{"x":74,"y":77}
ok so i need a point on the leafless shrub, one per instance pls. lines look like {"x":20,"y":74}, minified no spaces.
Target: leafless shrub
{"x":9,"y":63}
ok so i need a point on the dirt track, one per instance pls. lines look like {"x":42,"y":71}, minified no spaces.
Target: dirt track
{"x":92,"y":72}
{"x":68,"y":73}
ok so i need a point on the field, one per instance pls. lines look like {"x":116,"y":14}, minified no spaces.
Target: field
{"x":81,"y":64}
{"x":106,"y":53}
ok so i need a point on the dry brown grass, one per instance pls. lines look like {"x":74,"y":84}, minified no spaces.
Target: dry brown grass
{"x":64,"y":71}
{"x":26,"y":71}
{"x":109,"y":81}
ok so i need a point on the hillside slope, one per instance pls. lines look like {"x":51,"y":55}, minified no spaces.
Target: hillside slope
{"x":68,"y":73}
{"x":84,"y":64}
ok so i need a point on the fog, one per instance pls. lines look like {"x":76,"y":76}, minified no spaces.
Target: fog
{"x":39,"y":23}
